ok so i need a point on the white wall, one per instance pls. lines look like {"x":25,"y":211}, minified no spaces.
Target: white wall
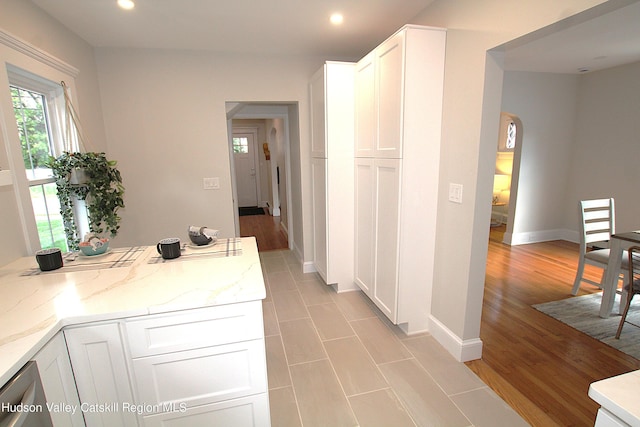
{"x":546,"y":105}
{"x":579,"y":142}
{"x":606,"y":161}
{"x":165,"y":121}
{"x":471,"y":111}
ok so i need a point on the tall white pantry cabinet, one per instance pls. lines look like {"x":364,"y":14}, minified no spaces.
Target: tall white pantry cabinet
{"x":398,"y":110}
{"x":332,"y":145}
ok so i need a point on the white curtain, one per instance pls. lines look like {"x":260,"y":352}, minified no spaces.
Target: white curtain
{"x":74,"y":139}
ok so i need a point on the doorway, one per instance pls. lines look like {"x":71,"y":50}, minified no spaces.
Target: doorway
{"x":266,"y":171}
{"x":506,"y":174}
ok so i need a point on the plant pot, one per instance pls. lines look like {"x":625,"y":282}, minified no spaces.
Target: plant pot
{"x":78,"y":176}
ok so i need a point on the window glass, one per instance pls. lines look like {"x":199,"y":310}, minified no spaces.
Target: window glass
{"x":30,"y":108}
{"x":511,"y":136}
{"x":30,"y":112}
{"x":241,"y":145}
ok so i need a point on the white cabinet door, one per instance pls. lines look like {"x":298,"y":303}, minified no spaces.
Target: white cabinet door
{"x":364,"y":224}
{"x":100,"y":369}
{"x":389,"y":84}
{"x":332,"y":173}
{"x":319,"y":199}
{"x":318,"y":116}
{"x":59,"y":386}
{"x":377,"y":230}
{"x":365,"y":107}
{"x":387,"y":207}
{"x":398,"y":130}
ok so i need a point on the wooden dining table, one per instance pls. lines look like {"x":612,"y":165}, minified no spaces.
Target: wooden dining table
{"x":619,"y":242}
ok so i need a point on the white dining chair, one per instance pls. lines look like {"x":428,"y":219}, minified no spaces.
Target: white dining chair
{"x":596,"y":227}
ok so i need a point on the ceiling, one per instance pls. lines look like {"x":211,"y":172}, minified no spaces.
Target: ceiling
{"x":602,"y":37}
{"x":597,"y":39}
{"x":281,"y":27}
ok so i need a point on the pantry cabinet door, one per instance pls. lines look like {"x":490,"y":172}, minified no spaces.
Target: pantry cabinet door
{"x":387,"y":209}
{"x":365,"y":107}
{"x":364,"y":225}
{"x":318,"y":114}
{"x":319,"y":199}
{"x":389,"y":85}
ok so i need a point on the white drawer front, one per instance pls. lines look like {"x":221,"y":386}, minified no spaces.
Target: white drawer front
{"x":195,"y":329}
{"x":244,"y":412}
{"x":202,"y":376}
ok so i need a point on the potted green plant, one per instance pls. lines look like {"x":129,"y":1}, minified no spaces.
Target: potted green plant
{"x":101,"y":188}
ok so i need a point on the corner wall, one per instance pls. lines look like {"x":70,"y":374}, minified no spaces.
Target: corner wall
{"x":473,"y":85}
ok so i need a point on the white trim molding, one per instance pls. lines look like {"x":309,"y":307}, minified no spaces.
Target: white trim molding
{"x":461,"y":350}
{"x":515,"y":239}
{"x":31,"y":51}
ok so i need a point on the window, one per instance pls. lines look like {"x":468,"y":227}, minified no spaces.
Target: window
{"x":240,"y":145}
{"x":34,"y":130}
{"x":510,"y":133}
{"x":510,"y":143}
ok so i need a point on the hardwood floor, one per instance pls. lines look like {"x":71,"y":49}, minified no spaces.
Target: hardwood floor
{"x":267,"y":230}
{"x":538,"y":365}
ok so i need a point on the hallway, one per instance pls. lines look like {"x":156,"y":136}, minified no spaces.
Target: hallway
{"x":269,"y":234}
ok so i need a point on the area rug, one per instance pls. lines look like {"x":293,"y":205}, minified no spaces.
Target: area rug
{"x":250,"y":211}
{"x":581,"y":313}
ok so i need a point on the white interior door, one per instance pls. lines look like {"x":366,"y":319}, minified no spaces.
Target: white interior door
{"x":244,"y":158}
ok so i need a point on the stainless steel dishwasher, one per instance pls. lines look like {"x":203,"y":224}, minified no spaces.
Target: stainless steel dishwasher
{"x":22,"y":400}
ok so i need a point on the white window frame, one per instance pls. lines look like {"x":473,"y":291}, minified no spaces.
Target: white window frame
{"x":20,"y":60}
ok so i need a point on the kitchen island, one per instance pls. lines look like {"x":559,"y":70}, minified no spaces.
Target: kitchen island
{"x":618,"y":399}
{"x":136,"y":293}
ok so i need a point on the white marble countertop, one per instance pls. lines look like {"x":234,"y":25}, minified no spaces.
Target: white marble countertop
{"x":35,"y":305}
{"x":619,"y":395}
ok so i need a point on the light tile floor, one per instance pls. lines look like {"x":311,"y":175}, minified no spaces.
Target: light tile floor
{"x":335,"y":360}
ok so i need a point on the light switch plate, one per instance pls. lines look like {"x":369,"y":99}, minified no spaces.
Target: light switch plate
{"x":211,"y":183}
{"x":455,"y":193}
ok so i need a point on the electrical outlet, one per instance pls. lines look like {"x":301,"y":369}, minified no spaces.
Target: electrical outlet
{"x":211,"y":183}
{"x":455,"y":193}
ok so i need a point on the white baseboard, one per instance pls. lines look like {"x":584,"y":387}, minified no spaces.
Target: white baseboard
{"x":525,"y":238}
{"x":296,"y":251}
{"x":461,"y":350}
{"x":308,"y":267}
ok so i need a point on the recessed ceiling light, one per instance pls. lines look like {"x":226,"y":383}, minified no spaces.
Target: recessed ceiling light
{"x":336,"y":19}
{"x":126,"y":4}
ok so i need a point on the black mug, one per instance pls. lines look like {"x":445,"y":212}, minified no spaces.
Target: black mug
{"x":169,"y":248}
{"x":49,"y":259}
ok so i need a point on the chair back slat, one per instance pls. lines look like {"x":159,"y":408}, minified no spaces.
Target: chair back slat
{"x":595,"y":216}
{"x":598,"y":220}
{"x":634,"y":262}
{"x":597,"y":237}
